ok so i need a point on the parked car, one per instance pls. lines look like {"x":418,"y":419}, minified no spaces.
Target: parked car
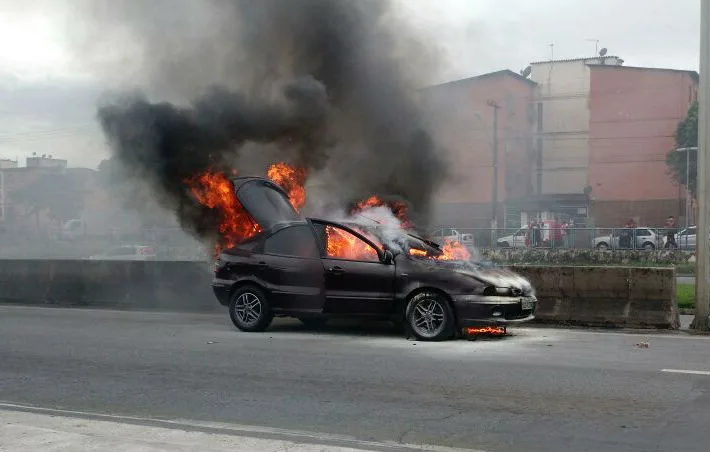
{"x":127,"y":253}
{"x":299,"y":268}
{"x":686,"y":238}
{"x":645,"y":238}
{"x":445,"y":234}
{"x":550,"y":234}
{"x":518,"y":239}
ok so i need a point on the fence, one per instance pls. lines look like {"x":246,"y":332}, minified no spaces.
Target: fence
{"x":579,"y":238}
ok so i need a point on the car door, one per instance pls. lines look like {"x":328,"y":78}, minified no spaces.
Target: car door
{"x":357,"y":282}
{"x":291,"y":269}
{"x":519,"y":238}
{"x":687,"y":238}
{"x":642,"y":236}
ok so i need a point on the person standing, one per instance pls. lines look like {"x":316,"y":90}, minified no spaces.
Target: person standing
{"x":627,"y":234}
{"x":671,"y":229}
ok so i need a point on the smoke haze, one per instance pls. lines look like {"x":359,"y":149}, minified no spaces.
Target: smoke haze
{"x":325,"y":84}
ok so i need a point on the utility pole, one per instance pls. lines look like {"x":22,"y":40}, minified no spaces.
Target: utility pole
{"x":494,"y":213}
{"x":702,"y":273}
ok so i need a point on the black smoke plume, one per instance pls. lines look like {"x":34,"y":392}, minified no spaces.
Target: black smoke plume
{"x":324,"y":84}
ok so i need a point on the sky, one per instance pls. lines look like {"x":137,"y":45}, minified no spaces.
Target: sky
{"x":48,"y":97}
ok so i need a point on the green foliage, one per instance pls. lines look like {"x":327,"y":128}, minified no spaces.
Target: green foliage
{"x":686,"y":136}
{"x":685,"y":294}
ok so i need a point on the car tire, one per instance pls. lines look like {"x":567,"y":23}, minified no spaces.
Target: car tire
{"x":505,"y":245}
{"x":648,"y":246}
{"x":429,"y":317}
{"x":249,"y":309}
{"x":602,"y":247}
{"x":313,"y":323}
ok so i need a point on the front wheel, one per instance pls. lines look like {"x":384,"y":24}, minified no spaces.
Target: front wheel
{"x":648,"y":246}
{"x":250,"y":310}
{"x":430,"y":317}
{"x":505,"y":245}
{"x":602,"y":246}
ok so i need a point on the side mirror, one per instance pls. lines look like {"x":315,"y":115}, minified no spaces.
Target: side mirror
{"x":387,"y":257}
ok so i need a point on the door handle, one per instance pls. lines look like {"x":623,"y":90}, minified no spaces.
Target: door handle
{"x":262,"y":265}
{"x":336,"y":270}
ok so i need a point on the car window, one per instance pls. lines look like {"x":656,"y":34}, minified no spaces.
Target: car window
{"x":341,"y":244}
{"x":294,"y":241}
{"x":642,"y":233}
{"x":520,"y":232}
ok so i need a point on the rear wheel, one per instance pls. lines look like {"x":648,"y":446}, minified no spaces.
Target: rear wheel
{"x":505,"y":245}
{"x":648,"y":246}
{"x":250,"y":310}
{"x":602,"y":246}
{"x":430,"y":317}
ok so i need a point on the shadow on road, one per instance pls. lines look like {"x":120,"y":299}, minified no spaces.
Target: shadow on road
{"x":364,"y":328}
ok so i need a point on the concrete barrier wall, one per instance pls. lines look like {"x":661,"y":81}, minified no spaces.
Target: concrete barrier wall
{"x":594,"y":296}
{"x":633,"y":297}
{"x":172,"y":285}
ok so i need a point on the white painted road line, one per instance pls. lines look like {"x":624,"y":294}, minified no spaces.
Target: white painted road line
{"x":23,"y":427}
{"x":689,"y":372}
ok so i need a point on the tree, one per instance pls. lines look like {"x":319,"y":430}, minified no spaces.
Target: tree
{"x":686,"y":136}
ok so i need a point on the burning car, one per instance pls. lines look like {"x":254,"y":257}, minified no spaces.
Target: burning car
{"x":315,"y":269}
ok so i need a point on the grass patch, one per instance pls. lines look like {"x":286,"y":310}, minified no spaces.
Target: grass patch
{"x":685,"y":294}
{"x":685,"y":269}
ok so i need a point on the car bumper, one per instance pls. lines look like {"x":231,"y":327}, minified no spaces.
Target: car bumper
{"x":479,"y":310}
{"x":222,"y":289}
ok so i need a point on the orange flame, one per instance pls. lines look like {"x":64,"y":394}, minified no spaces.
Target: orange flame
{"x":341,"y":244}
{"x":495,"y":330}
{"x":398,"y":208}
{"x":292,"y":180}
{"x":417,"y":252}
{"x":450,"y":251}
{"x":454,"y":251}
{"x":215,"y":191}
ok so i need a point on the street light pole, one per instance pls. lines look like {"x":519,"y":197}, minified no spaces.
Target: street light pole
{"x":702,"y":309}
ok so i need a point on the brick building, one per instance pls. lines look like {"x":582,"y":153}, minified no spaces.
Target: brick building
{"x":461,"y":115}
{"x":582,"y":138}
{"x":633,"y":117}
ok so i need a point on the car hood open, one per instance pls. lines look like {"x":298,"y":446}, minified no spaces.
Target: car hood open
{"x":265,"y":201}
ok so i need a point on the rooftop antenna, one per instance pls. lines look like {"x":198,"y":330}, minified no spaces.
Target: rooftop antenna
{"x":596,"y":46}
{"x":552,"y":51}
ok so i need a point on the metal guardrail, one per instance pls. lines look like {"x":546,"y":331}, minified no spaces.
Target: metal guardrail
{"x":640,"y":238}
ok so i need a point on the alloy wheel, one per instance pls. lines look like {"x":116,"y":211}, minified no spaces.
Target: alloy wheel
{"x":248,"y":309}
{"x":428,"y":318}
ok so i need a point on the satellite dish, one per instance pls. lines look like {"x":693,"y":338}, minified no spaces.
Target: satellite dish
{"x":526,"y":72}
{"x":603,"y":51}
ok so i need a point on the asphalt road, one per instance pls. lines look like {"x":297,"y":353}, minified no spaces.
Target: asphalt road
{"x":536,"y":390}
